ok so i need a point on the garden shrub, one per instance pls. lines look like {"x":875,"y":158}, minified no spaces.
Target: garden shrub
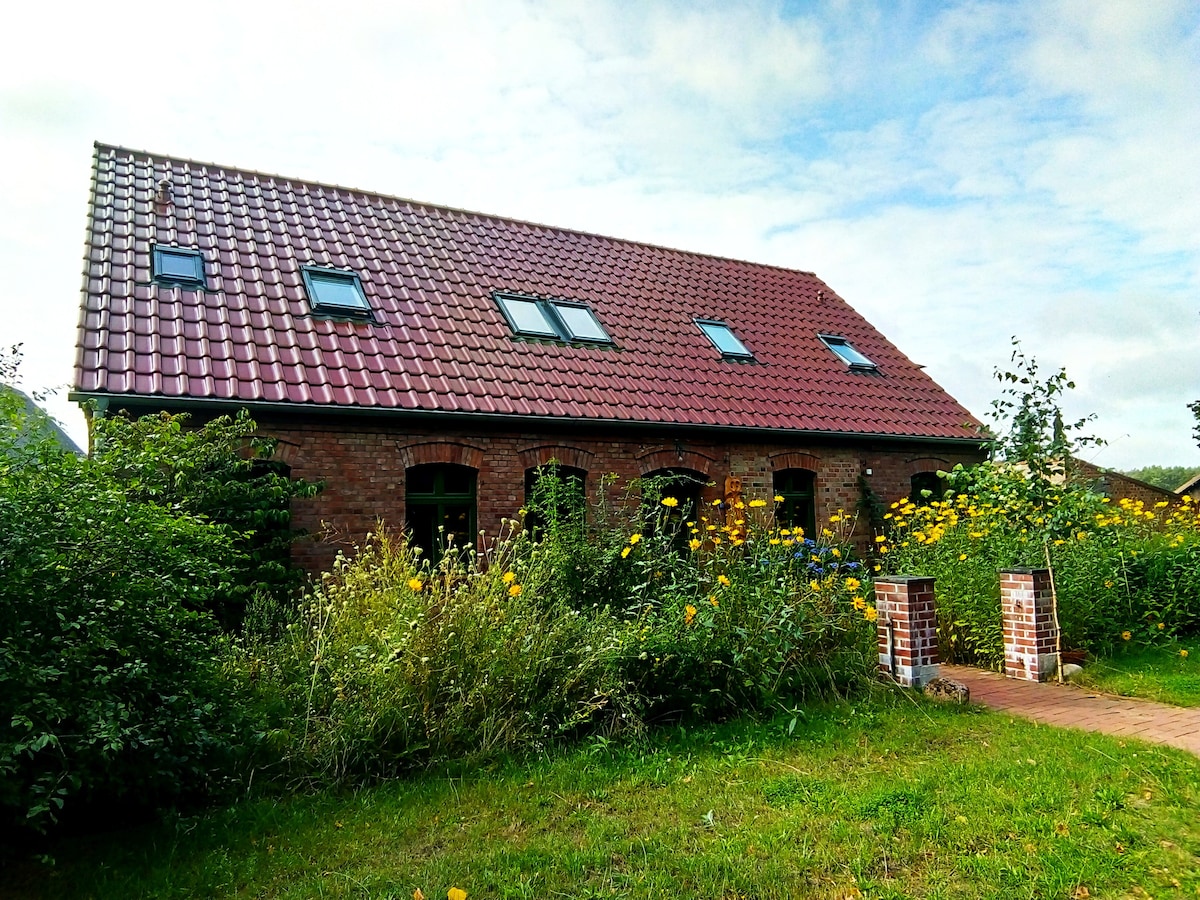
{"x":396,"y":662}
{"x":109,"y":686}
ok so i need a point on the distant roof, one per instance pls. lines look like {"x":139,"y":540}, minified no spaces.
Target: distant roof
{"x":437,"y":340}
{"x":38,"y":422}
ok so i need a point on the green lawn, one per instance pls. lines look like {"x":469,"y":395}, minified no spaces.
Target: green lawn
{"x":1155,"y":673}
{"x":888,"y":798}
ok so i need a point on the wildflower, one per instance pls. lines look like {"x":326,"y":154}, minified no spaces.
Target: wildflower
{"x":739,"y":505}
{"x":853,"y":584}
{"x":860,"y":603}
{"x":670,"y":502}
{"x":870,"y":614}
{"x":418,"y":894}
{"x":834,"y":519}
{"x":1108,"y":583}
{"x":880,"y":538}
{"x":778,"y":498}
{"x":1183,"y":653}
{"x":689,"y":613}
{"x":514,"y":591}
{"x":415,"y":585}
{"x":693,"y":544}
{"x":723,"y":580}
{"x":1125,"y":635}
{"x":510,"y":577}
{"x":716,"y":502}
{"x":634,"y":538}
{"x":456,"y":894}
{"x":713,"y":601}
{"x":755,"y":504}
{"x":961,"y":557}
{"x":625,"y":552}
{"x":774,"y":541}
{"x":1162,"y":625}
{"x":836,"y":552}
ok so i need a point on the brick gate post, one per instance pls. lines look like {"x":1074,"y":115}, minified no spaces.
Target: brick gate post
{"x":907,"y":623}
{"x":1030,"y":638}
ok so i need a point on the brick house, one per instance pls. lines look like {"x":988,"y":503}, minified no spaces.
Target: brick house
{"x":424,"y":361}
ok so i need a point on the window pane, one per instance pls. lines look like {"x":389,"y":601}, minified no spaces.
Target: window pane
{"x":421,"y":479}
{"x":337,"y":290}
{"x":527,"y":317}
{"x":180,"y":265}
{"x":724,"y":339}
{"x":581,"y":323}
{"x":458,"y":480}
{"x":848,"y":354}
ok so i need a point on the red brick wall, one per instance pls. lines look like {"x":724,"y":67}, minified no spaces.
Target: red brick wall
{"x":363,"y":464}
{"x":1121,"y":487}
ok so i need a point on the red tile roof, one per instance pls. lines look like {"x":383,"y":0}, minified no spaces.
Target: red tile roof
{"x":439,"y":342}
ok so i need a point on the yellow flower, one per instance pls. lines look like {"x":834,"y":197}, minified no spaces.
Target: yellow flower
{"x":837,"y":553}
{"x":418,"y":894}
{"x":1162,"y":625}
{"x":670,"y":502}
{"x":1125,"y":635}
{"x":723,"y":579}
{"x":694,"y":544}
{"x":634,"y":538}
{"x":456,"y":894}
{"x":713,"y":601}
{"x":510,"y":577}
{"x":853,"y":584}
{"x":879,"y":538}
{"x":625,"y":552}
{"x":1183,"y":653}
{"x":860,"y":603}
{"x":778,"y":498}
{"x":689,"y":613}
{"x":514,"y":591}
{"x":870,"y":614}
{"x":961,"y":557}
{"x":415,"y":585}
{"x":755,"y":504}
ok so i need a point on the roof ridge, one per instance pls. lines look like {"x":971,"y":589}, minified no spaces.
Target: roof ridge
{"x":462,"y":211}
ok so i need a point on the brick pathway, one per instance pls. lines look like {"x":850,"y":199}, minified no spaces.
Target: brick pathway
{"x":1068,"y":706}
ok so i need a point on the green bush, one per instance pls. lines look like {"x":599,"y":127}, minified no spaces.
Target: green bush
{"x":395,"y":662}
{"x":108,"y":682}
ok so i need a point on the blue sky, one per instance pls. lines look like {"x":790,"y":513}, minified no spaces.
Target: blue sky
{"x":960,"y":172}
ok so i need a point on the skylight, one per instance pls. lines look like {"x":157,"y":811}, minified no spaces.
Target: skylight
{"x":724,"y":339}
{"x":561,"y":320}
{"x":178,"y":265}
{"x":335,"y":291}
{"x":846,"y":352}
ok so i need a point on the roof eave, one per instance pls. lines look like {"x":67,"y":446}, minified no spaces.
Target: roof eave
{"x":278,"y":408}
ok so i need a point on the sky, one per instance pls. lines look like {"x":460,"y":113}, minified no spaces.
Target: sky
{"x":962,"y":173}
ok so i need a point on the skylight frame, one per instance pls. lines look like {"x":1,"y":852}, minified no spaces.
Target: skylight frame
{"x":736,"y":350}
{"x":557,"y":324}
{"x":194,"y":279}
{"x":314,"y":276}
{"x":854,"y":358}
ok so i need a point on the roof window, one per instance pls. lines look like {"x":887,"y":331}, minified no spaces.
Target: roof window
{"x":178,"y":265}
{"x":560,"y":320}
{"x":724,"y":339}
{"x":335,"y":291}
{"x":846,"y":352}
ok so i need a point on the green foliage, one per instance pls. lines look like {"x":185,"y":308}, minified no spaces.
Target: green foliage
{"x":108,"y":680}
{"x":1166,"y":477}
{"x":583,"y":627}
{"x":1122,"y":572}
{"x":221,"y":472}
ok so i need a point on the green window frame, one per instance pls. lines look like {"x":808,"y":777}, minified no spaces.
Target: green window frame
{"x":440,"y":503}
{"x":798,"y":488}
{"x":181,"y":266}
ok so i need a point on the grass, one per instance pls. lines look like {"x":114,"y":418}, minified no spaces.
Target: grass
{"x":886,"y":798}
{"x":1159,"y":673}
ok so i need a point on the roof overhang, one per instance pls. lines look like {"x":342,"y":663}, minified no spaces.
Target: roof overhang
{"x":509,"y":420}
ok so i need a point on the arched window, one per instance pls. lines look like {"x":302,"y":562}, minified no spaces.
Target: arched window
{"x":926,"y":487}
{"x":440,"y":498}
{"x":797,"y":487}
{"x":682,"y":485}
{"x":554,"y":494}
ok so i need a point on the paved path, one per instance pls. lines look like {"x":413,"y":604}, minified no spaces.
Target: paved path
{"x":1069,"y":706}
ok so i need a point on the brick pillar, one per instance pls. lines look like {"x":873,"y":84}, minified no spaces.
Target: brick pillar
{"x":1026,"y":601}
{"x":907,"y":622}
